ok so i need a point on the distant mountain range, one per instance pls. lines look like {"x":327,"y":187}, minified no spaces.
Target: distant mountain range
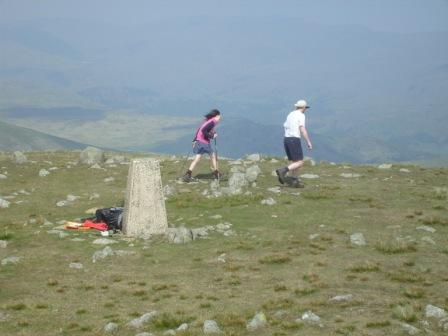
{"x":14,"y":138}
{"x":375,"y":96}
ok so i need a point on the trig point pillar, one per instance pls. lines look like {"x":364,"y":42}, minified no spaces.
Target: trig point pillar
{"x":144,"y":212}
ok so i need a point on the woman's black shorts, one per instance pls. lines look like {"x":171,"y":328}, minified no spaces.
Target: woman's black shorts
{"x":293,"y":149}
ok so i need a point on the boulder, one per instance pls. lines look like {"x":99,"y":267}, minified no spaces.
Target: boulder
{"x":3,"y":177}
{"x":254,"y":157}
{"x":433,"y":311}
{"x":236,"y":182}
{"x":4,"y":204}
{"x":91,"y":156}
{"x":252,"y":173}
{"x":19,"y":157}
{"x":140,"y":321}
{"x":211,"y":327}
{"x":179,"y":235}
{"x":258,"y":321}
{"x":357,"y":239}
{"x":309,"y":316}
{"x":111,"y":327}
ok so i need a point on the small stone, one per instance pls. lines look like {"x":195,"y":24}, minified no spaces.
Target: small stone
{"x":222,"y":258}
{"x":428,"y":240}
{"x":104,"y":241}
{"x":404,"y":170}
{"x":309,"y":176}
{"x":43,"y":173}
{"x":61,"y":203}
{"x":3,"y":243}
{"x":426,"y":228}
{"x":211,"y":327}
{"x":410,"y":329}
{"x":54,"y":231}
{"x":94,"y":196}
{"x":11,"y":260}
{"x":3,"y":177}
{"x":258,"y":321}
{"x":111,"y":327}
{"x":385,"y":166}
{"x":144,"y":334}
{"x":357,"y":239}
{"x":313,"y":236}
{"x":443,"y":324}
{"x":253,"y":157}
{"x":76,"y":265}
{"x":309,"y":316}
{"x":170,"y":332}
{"x":106,"y":252}
{"x":72,"y":198}
{"x":179,"y":235}
{"x":182,"y":327}
{"x":276,"y":190}
{"x":4,"y":203}
{"x":109,"y":179}
{"x":140,"y":321}
{"x":53,"y":168}
{"x":77,"y":239}
{"x":96,"y":166}
{"x":19,"y":157}
{"x":215,"y":217}
{"x":350,"y":175}
{"x":63,"y":234}
{"x":3,"y":316}
{"x":268,"y":201}
{"x":252,"y":173}
{"x":342,"y":298}
{"x":433,"y":311}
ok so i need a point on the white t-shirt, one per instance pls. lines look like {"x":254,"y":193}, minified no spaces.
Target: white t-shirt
{"x":294,"y":120}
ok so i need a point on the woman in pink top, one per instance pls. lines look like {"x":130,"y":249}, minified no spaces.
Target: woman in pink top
{"x":201,"y":143}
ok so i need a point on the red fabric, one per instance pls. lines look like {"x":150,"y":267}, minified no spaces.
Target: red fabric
{"x":101,"y":226}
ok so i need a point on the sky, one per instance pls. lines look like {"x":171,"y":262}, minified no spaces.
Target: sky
{"x":403,"y":16}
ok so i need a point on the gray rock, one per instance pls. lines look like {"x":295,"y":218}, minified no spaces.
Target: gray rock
{"x":223,"y":226}
{"x":252,"y":173}
{"x":3,"y":243}
{"x":53,"y":168}
{"x":342,"y":298}
{"x":237,"y":182}
{"x":106,"y":252}
{"x":182,"y":327}
{"x":428,"y":240}
{"x":168,"y":190}
{"x":4,"y":203}
{"x":19,"y":157}
{"x":63,"y":234}
{"x":276,"y":190}
{"x":443,"y":324}
{"x":179,"y":235}
{"x":72,"y":198}
{"x":77,"y":239}
{"x":170,"y":332}
{"x":433,"y":311}
{"x":309,"y":176}
{"x":409,"y":329}
{"x":253,"y":157}
{"x":109,"y":179}
{"x":111,"y":327}
{"x":144,"y":334}
{"x":43,"y":173}
{"x":11,"y":260}
{"x":199,"y":232}
{"x":357,"y":239}
{"x":140,"y":321}
{"x":76,"y":265}
{"x":258,"y":321}
{"x":3,"y":177}
{"x":3,"y":316}
{"x":350,"y":175}
{"x":385,"y":166}
{"x":268,"y":201}
{"x":313,"y":236}
{"x":104,"y":241}
{"x":426,"y":228}
{"x":309,"y":316}
{"x":404,"y":170}
{"x":94,"y":196}
{"x":62,"y":203}
{"x":91,"y":156}
{"x":211,"y":327}
{"x":96,"y":166}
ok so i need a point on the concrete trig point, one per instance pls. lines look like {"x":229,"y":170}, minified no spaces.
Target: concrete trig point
{"x":144,"y":212}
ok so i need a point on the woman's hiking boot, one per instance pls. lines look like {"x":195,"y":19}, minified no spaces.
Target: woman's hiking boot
{"x":296,"y":183}
{"x":187,"y":177}
{"x":281,"y":174}
{"x":216,"y":174}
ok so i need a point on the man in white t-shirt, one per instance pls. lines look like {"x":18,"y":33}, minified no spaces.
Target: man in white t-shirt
{"x":294,"y":129}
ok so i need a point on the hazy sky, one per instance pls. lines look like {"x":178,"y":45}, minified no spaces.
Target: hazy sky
{"x":384,"y":15}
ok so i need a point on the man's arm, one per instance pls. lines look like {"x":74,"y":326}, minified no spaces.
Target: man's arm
{"x":304,"y":133}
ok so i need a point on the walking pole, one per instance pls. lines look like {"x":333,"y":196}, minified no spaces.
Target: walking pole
{"x":217,"y":162}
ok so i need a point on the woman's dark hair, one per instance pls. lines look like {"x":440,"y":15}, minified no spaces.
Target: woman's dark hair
{"x":213,"y":113}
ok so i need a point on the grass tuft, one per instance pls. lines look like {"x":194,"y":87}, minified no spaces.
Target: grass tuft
{"x":395,"y":246}
{"x":404,"y":313}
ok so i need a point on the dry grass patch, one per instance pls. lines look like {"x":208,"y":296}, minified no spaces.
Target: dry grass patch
{"x":278,"y":258}
{"x":395,"y":246}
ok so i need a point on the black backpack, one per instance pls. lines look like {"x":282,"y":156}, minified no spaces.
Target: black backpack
{"x":113,"y":217}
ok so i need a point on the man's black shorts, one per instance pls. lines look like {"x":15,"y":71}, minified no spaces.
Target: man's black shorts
{"x":293,"y":149}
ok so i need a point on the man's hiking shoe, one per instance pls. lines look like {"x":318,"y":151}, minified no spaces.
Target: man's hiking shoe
{"x":281,"y":174}
{"x":187,"y":178}
{"x":296,"y":183}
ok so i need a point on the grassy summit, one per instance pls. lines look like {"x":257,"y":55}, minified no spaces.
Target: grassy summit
{"x":285,"y":259}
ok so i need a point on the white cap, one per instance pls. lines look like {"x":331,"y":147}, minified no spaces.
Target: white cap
{"x":301,"y":104}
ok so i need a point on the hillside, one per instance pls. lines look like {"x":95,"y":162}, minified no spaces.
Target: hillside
{"x":14,"y":138}
{"x":359,"y":251}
